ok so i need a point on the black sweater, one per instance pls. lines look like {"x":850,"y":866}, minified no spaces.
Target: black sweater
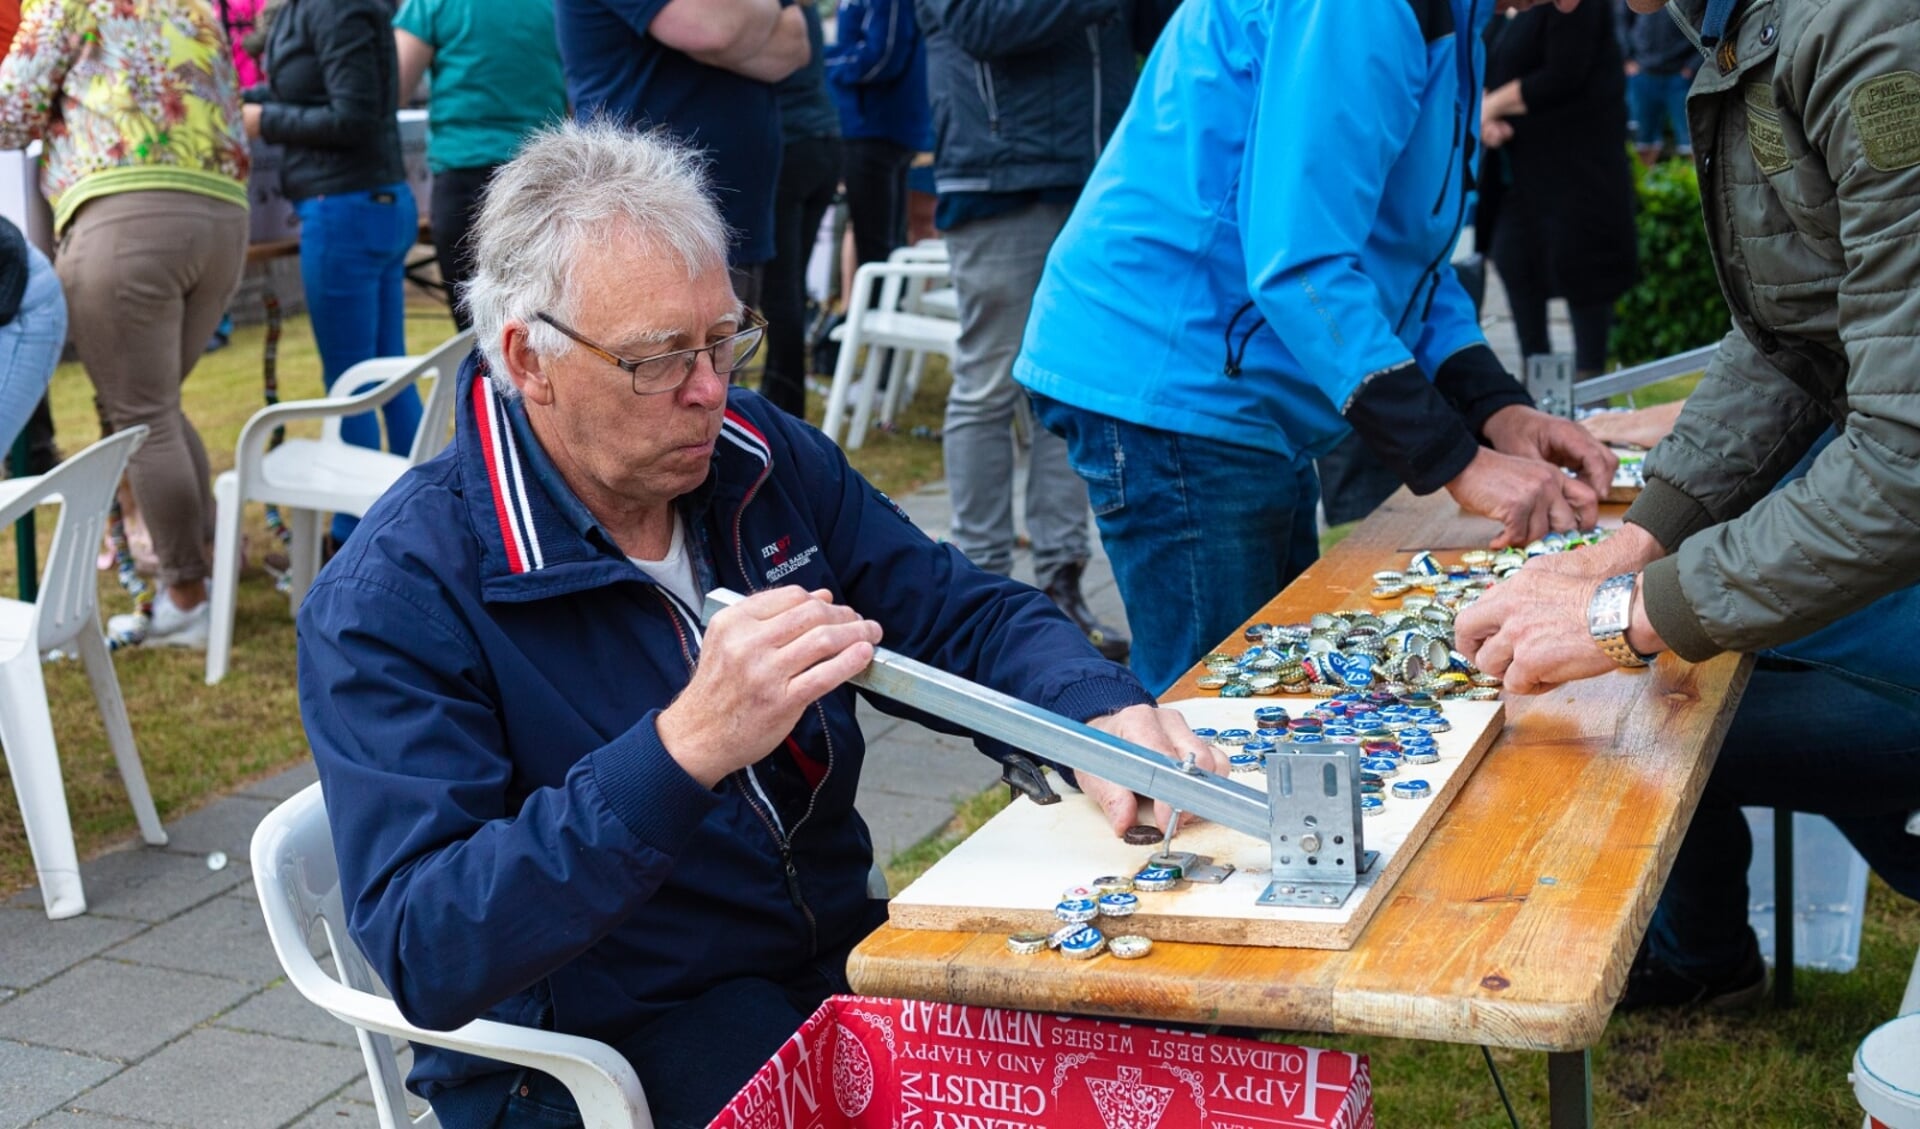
{"x":330,"y":96}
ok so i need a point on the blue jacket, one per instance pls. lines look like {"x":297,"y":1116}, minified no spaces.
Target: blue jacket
{"x":480,"y":673}
{"x":1272,"y":223}
{"x":877,"y":73}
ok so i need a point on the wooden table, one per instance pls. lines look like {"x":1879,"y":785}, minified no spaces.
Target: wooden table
{"x":1513,"y":927}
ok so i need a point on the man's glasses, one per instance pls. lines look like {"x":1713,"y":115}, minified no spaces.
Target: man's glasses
{"x":668,"y":371}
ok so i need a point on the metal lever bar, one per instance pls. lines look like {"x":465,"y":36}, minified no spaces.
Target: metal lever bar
{"x":1084,"y":749}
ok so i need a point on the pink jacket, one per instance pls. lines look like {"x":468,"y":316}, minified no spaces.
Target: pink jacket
{"x":239,"y":17}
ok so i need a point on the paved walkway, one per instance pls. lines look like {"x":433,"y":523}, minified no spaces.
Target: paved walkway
{"x":163,"y":1005}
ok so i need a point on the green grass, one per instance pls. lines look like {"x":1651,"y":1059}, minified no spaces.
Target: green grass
{"x":1778,"y":1068}
{"x":197,"y":741}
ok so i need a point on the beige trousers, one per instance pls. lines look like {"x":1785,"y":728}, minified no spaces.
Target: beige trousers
{"x":148,"y":276}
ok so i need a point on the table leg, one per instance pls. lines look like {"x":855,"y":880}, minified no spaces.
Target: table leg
{"x":1570,"y":1089}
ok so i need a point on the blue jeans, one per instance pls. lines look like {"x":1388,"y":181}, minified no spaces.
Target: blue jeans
{"x":1656,"y":100}
{"x":353,"y":257}
{"x":1201,"y":533}
{"x":1830,"y":724}
{"x":30,"y":347}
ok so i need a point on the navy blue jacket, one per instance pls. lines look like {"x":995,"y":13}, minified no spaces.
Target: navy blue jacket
{"x":480,"y":673}
{"x":877,"y":73}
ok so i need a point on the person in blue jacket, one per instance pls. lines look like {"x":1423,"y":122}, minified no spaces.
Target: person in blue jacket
{"x":559,"y":796}
{"x":877,"y":73}
{"x":1259,"y":263}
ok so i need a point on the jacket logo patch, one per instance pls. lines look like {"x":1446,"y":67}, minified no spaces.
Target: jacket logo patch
{"x":782,"y":561}
{"x":1886,"y":112}
{"x":1764,"y":135}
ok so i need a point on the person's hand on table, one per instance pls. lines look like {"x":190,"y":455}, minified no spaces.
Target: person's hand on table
{"x":1531,"y":433}
{"x":762,"y":663}
{"x":1164,"y":731}
{"x":1627,"y":549}
{"x":1529,"y":498}
{"x":1530,"y":630}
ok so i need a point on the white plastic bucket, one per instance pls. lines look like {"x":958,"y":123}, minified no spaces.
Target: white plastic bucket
{"x":1886,"y":1074}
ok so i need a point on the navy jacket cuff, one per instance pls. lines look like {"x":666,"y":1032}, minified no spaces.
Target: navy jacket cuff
{"x":648,"y":790}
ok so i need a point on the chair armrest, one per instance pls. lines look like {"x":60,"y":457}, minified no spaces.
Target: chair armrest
{"x":19,"y":495}
{"x":592,"y":1071}
{"x":395,"y":374}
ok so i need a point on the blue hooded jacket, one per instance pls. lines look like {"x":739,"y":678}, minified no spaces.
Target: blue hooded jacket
{"x":480,"y":673}
{"x":877,"y":73}
{"x":1272,"y":224}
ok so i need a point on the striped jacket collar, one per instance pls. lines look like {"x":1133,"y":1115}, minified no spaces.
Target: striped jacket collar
{"x":537,"y":539}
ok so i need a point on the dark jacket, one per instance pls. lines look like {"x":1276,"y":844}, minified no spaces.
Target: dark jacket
{"x":806,"y":110}
{"x":1563,"y":182}
{"x":1655,"y":41}
{"x":480,"y":674}
{"x":878,"y":74}
{"x":1027,"y":92}
{"x":330,"y":97}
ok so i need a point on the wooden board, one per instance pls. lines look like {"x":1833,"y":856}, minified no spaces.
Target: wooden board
{"x":1007,"y":875}
{"x":1513,"y":926}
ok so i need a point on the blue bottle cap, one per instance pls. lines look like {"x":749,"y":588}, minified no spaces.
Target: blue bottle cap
{"x":1384,"y":767}
{"x":1119,"y":905}
{"x":1244,"y":762}
{"x":1412,"y":789}
{"x":1083,"y":943}
{"x":1372,"y":805}
{"x":1206,"y":734}
{"x":1077,"y":911}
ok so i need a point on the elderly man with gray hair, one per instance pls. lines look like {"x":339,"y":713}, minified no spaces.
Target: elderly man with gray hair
{"x":559,"y":797}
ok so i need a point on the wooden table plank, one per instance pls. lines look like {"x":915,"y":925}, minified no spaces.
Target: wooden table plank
{"x":1515,"y":924}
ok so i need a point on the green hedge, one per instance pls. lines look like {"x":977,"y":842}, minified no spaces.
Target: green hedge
{"x":1676,"y":305}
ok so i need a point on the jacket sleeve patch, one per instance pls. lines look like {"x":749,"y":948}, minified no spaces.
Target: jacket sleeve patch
{"x":1886,"y":113}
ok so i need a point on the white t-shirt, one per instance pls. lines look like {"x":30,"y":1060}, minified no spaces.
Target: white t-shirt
{"x":674,"y":574}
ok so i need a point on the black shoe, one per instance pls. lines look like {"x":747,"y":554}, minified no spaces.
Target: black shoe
{"x":1064,"y":590}
{"x":1652,"y":982}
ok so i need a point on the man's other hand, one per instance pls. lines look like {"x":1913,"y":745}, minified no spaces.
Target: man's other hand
{"x":762,"y":662}
{"x":1163,"y":731}
{"x":1527,"y":497}
{"x":1533,"y":434}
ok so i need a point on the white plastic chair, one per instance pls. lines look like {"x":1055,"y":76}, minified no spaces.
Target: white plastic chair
{"x":65,"y":615}
{"x":877,"y":330}
{"x":308,"y":478}
{"x":299,"y":886}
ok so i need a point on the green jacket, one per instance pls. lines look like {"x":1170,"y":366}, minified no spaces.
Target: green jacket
{"x":1806,"y":133}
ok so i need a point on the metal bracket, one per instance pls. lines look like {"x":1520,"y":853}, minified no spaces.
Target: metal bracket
{"x":1025,"y":778}
{"x":1314,"y":828}
{"x":1550,"y":383}
{"x":1192,"y":867}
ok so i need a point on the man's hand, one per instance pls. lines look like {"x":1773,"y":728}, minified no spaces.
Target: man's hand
{"x":1530,"y":630}
{"x":1531,"y":433}
{"x":1163,"y":731}
{"x":762,"y":662}
{"x":1495,"y":132}
{"x":250,"y":118}
{"x":1627,"y":549}
{"x":1527,"y":497}
{"x":1642,"y":427}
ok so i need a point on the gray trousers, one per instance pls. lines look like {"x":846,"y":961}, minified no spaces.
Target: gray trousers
{"x":996,"y":268}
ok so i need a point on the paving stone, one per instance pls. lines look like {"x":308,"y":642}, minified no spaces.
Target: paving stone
{"x":67,"y":1119}
{"x":218,"y":1079}
{"x":36,"y":1080}
{"x":33,"y":948}
{"x":897,"y":822}
{"x":360,"y":1091}
{"x":338,"y":1114}
{"x":224,"y":825}
{"x":920,"y":762}
{"x":147,"y":884}
{"x":115,"y":1010}
{"x":281,"y":786}
{"x":283,"y":1011}
{"x":225,"y":937}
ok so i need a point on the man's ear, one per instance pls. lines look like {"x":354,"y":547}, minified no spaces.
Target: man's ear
{"x":525,"y":367}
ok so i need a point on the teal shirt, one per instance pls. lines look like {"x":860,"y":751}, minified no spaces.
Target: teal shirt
{"x":496,"y":76}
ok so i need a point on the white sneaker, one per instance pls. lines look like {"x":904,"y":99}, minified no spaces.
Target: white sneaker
{"x":169,"y":627}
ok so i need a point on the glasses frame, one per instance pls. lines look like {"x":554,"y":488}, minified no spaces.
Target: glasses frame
{"x":756,"y":328}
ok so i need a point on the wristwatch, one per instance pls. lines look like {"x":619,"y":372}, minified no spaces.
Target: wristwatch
{"x":1608,"y":616}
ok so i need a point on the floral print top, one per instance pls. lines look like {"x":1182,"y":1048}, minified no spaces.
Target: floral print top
{"x":126,"y":95}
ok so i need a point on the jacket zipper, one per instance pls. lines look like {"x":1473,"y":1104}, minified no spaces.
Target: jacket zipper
{"x":983,"y":78}
{"x":1446,"y":178}
{"x":1093,"y":41}
{"x":783,"y":840}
